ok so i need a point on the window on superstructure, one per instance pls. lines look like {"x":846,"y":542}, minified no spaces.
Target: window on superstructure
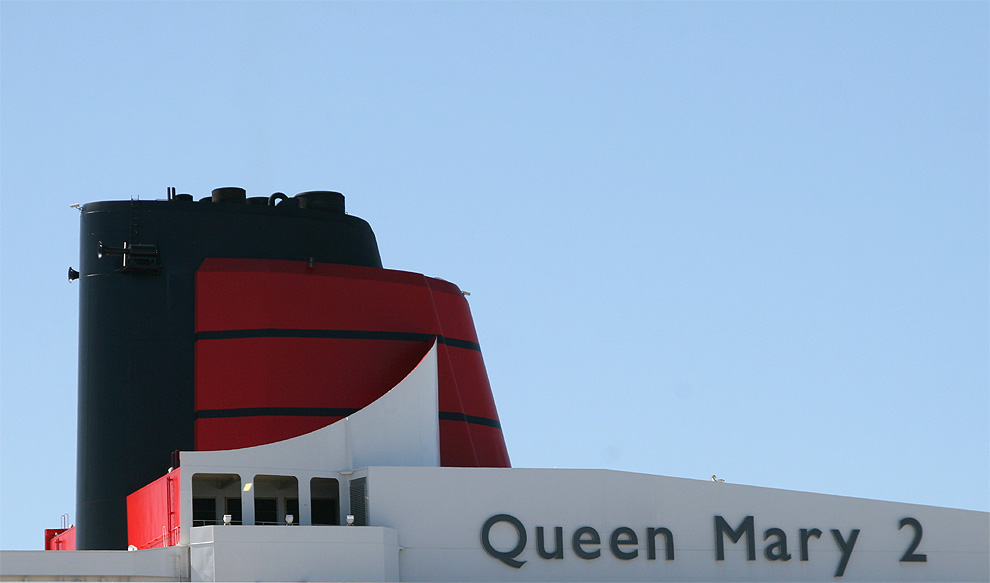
{"x":271,"y":499}
{"x":212,"y":494}
{"x":232,"y":506}
{"x":266,"y":511}
{"x":204,"y":511}
{"x":325,"y":501}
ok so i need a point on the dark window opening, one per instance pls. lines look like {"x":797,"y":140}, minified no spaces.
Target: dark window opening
{"x":266,"y":511}
{"x":292,"y":507}
{"x":204,"y":511}
{"x":325,"y":501}
{"x":325,"y":512}
{"x":232,"y":506}
{"x":213,"y":496}
{"x":271,"y":499}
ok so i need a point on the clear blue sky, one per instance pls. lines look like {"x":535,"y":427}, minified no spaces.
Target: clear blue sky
{"x":744,"y":239}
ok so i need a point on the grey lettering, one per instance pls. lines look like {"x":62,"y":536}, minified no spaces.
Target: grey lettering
{"x":722,"y":528}
{"x":805,"y":535}
{"x":541,"y":549}
{"x":578,"y":540}
{"x":651,"y":543}
{"x":507,"y":557}
{"x":776,"y":551}
{"x":846,"y":547}
{"x":623,"y":536}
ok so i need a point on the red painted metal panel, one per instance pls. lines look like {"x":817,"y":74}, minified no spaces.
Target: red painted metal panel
{"x":276,"y":339}
{"x":487,"y":440}
{"x":452,"y":310}
{"x":464,"y":370}
{"x":299,"y":372}
{"x":60,"y":539}
{"x":153,"y":513}
{"x":256,"y":293}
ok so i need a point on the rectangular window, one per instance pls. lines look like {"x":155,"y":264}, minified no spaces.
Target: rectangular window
{"x":204,"y":511}
{"x":325,"y":501}
{"x":292,"y":507}
{"x":325,"y":512}
{"x":215,"y":495}
{"x":271,"y":498}
{"x":266,"y":511}
{"x":232,"y":506}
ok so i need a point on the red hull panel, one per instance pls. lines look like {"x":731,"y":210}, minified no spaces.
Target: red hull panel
{"x":153,"y":513}
{"x":60,"y":539}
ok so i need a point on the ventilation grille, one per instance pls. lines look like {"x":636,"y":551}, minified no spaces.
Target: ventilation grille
{"x":359,"y":501}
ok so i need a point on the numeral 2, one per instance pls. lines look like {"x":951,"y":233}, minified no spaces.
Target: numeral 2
{"x":909,"y":555}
